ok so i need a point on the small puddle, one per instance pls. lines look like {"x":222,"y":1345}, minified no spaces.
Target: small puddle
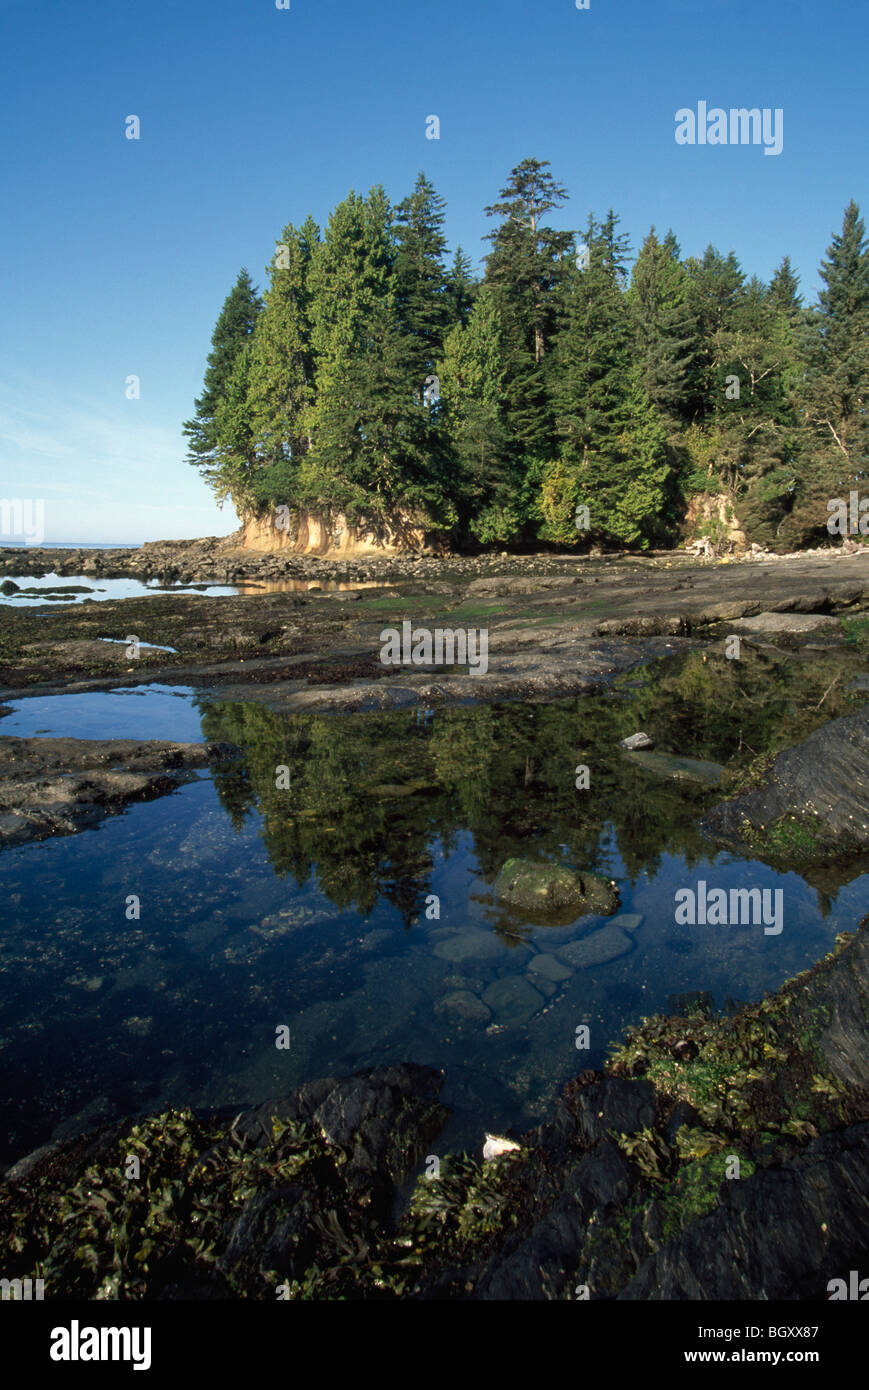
{"x":145,"y":646}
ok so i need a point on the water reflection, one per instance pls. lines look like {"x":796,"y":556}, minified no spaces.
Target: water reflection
{"x":298,"y":886}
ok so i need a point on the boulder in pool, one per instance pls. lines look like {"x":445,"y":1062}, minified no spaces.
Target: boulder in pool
{"x":554,"y":894}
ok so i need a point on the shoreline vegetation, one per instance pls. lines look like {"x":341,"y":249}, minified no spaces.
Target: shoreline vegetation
{"x":570,"y":394}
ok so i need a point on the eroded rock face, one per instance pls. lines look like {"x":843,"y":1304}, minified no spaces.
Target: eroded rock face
{"x":308,"y":533}
{"x":553,"y":893}
{"x":822,"y":784}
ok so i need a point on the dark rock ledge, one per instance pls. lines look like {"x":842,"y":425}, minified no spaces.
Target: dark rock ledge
{"x":811,"y":801}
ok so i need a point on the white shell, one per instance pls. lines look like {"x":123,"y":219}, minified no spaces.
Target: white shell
{"x":495,"y":1146}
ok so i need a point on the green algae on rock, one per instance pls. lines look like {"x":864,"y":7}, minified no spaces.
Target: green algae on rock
{"x":545,"y":892}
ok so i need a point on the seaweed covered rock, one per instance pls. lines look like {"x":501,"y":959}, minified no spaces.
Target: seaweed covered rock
{"x":292,"y":1196}
{"x":712,"y":1158}
{"x":779,"y":1233}
{"x":688,"y":1183}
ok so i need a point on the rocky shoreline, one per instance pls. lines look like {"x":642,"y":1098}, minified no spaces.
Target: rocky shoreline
{"x":226,"y":560}
{"x":711,"y":1158}
{"x":556,"y":625}
{"x":59,"y":786}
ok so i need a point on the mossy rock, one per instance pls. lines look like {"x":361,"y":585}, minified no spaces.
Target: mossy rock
{"x":553,"y":894}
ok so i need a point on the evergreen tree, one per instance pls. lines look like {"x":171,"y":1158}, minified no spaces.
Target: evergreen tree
{"x":375,"y":446}
{"x":471,"y":375}
{"x":461,"y":287}
{"x":524,"y":270}
{"x":713,"y":289}
{"x":665,"y":338}
{"x":613,"y":458}
{"x":835,"y":392}
{"x":752,"y":425}
{"x":234,"y":327}
{"x":235,"y":463}
{"x":783,"y":290}
{"x":422,"y":302}
{"x":281,"y":367}
{"x":560,"y":385}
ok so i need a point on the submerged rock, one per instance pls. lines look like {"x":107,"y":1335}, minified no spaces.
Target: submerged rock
{"x":678,"y":768}
{"x":628,"y":921}
{"x":545,"y":892}
{"x":549,"y":967}
{"x":469,"y":945}
{"x":513,"y":1000}
{"x":608,"y":943}
{"x":463,"y":1005}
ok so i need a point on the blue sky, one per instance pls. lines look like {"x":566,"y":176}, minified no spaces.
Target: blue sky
{"x":117,"y":254}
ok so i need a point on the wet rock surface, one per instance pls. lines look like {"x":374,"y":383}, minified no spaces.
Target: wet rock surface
{"x":608,"y":943}
{"x":557,"y":624}
{"x":814,"y":799}
{"x":58,"y":786}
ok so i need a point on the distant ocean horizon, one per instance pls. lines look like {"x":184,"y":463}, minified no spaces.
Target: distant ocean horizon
{"x":72,"y":545}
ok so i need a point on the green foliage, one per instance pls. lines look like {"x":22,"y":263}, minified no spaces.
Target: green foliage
{"x":376,"y":380}
{"x":458,"y":1214}
{"x":235,"y":325}
{"x":857,"y":631}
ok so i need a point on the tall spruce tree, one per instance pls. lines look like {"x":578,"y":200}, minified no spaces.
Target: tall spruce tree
{"x":665,"y":336}
{"x":471,"y":374}
{"x":751,"y":426}
{"x":235,"y":463}
{"x":715,"y":283}
{"x":835,"y":395}
{"x":375,"y":445}
{"x":422,"y":305}
{"x":613,"y":456}
{"x":461,"y":287}
{"x":281,"y":367}
{"x":235,"y":325}
{"x":524,"y":270}
{"x":783,"y":290}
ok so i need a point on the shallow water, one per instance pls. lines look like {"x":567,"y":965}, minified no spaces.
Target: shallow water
{"x":99,"y":588}
{"x":147,"y":711}
{"x":312,"y":907}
